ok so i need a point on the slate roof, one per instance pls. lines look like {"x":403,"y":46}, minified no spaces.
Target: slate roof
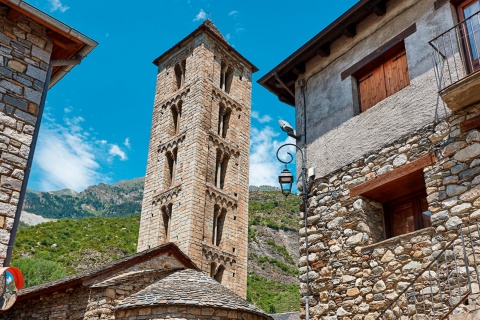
{"x":113,"y":267}
{"x":286,"y":316}
{"x":189,"y":287}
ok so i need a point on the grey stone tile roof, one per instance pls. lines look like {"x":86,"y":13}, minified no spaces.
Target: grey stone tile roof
{"x":105,"y":270}
{"x":189,"y":287}
{"x":286,"y":316}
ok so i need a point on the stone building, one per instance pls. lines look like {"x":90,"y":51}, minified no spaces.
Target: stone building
{"x":390,"y":95}
{"x":196,"y":186}
{"x":159,"y":283}
{"x":36,"y":51}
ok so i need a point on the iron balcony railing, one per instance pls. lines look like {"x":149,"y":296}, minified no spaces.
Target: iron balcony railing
{"x":456,"y":52}
{"x":448,"y":285}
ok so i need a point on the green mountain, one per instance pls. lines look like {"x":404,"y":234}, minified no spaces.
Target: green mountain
{"x":101,"y":228}
{"x":117,"y":200}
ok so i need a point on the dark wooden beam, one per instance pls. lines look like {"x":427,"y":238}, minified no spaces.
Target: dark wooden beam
{"x":393,"y":175}
{"x":350,"y":31}
{"x":299,"y":69}
{"x":470,"y":124}
{"x":323,"y":50}
{"x":13,"y":14}
{"x":380,"y":9}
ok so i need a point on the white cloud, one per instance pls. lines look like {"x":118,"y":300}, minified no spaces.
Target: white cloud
{"x":239,"y":29}
{"x":67,"y":110}
{"x":264,"y":166}
{"x":262,"y":119}
{"x":228,"y":36}
{"x":126,"y":143}
{"x":115,"y":150}
{"x":66,"y":159}
{"x":201,"y":15}
{"x":57,"y":5}
{"x":68,"y":156}
{"x":233,"y":13}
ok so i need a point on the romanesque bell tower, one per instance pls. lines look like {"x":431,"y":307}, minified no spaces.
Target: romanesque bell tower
{"x":196,"y":186}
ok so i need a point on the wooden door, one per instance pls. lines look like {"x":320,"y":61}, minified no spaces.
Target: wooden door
{"x":404,"y":215}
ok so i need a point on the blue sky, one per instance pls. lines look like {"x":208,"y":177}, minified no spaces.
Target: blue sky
{"x":96,"y":124}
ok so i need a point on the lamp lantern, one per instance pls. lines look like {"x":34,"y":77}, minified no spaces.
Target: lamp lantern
{"x":286,"y":180}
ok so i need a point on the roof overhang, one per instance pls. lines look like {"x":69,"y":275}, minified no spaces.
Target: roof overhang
{"x":281,"y":79}
{"x":205,"y":28}
{"x":68,"y":43}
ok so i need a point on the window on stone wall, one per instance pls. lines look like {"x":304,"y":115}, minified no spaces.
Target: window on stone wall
{"x":219,"y":274}
{"x":180,"y":74}
{"x":383,"y":77}
{"x":176,"y":116}
{"x":403,"y":196}
{"x":406,"y":214}
{"x":226,"y":77}
{"x":171,"y":158}
{"x":219,"y":216}
{"x":223,"y":120}
{"x":167,"y":218}
{"x":221,"y":169}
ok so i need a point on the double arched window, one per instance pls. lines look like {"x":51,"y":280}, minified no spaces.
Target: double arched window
{"x":223,"y":120}
{"x":221,"y":169}
{"x":167,"y":219}
{"x":171,"y":163}
{"x":226,"y":77}
{"x":176,"y":111}
{"x":219,"y":216}
{"x":179,"y":70}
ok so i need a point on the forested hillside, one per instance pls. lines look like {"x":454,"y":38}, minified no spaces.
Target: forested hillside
{"x":53,"y":250}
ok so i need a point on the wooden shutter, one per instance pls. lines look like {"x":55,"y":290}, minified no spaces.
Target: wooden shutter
{"x":372,"y":88}
{"x":402,"y":219}
{"x":396,"y":73}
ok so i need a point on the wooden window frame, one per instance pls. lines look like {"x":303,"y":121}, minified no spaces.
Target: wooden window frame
{"x":460,"y":6}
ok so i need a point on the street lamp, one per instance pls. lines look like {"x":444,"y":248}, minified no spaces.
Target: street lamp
{"x":286,"y":179}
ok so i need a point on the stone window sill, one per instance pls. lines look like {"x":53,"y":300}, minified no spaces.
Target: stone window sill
{"x":394,"y":241}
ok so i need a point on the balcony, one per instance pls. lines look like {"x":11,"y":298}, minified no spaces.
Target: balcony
{"x":456,"y":63}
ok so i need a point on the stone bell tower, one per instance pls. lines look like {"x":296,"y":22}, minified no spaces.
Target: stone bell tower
{"x":196,"y":186}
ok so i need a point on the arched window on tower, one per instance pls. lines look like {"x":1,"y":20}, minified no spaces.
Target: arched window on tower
{"x":219,"y":274}
{"x":221,"y":169}
{"x":167,"y":218}
{"x":223,"y":120}
{"x":219,"y":216}
{"x":171,"y":167}
{"x":180,"y":74}
{"x":226,"y":77}
{"x":176,"y":116}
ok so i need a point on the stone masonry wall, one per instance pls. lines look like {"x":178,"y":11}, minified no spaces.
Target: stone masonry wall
{"x":24,"y":57}
{"x":183,"y":313}
{"x":354,"y":272}
{"x":96,"y":301}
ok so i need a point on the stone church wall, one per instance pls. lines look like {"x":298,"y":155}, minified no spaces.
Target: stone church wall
{"x":183,"y":313}
{"x":96,"y":301}
{"x":24,"y":58}
{"x":355,"y":272}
